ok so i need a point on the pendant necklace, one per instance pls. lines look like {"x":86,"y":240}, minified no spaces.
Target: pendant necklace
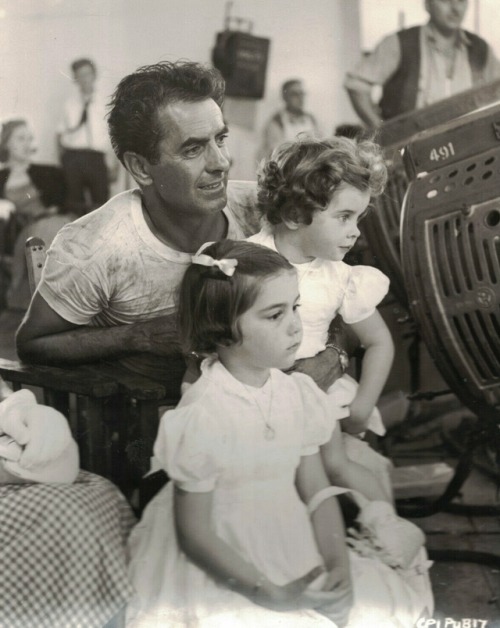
{"x":270,"y":432}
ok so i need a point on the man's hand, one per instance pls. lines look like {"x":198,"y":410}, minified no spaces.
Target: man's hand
{"x":157,"y":336}
{"x":44,"y":337}
{"x":324,"y":368}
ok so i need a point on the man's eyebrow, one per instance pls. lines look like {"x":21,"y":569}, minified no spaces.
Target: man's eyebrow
{"x":203,"y":140}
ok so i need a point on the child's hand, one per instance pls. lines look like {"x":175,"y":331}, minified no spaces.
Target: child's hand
{"x":336,"y":596}
{"x":290,"y":596}
{"x":359,"y":413}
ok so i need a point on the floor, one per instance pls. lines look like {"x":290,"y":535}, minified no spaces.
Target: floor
{"x":467,"y":595}
{"x":462,"y":590}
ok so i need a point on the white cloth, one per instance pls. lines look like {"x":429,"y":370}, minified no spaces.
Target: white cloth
{"x":215,"y":441}
{"x":93,"y":134}
{"x":47,"y":451}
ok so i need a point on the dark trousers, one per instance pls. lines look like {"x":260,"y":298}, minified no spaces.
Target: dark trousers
{"x":86,"y":178}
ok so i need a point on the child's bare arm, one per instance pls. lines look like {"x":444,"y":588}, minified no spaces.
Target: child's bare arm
{"x":376,"y":339}
{"x":329,"y":531}
{"x":342,"y":471}
{"x":198,"y":540}
{"x":328,"y":524}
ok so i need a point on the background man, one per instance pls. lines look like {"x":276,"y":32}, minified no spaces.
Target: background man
{"x":83,"y":143}
{"x":421,"y":65}
{"x":286,"y":124}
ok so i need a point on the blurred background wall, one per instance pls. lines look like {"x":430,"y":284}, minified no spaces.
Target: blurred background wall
{"x":315,"y":40}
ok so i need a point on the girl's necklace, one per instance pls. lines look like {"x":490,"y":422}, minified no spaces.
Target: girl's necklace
{"x":270,"y":432}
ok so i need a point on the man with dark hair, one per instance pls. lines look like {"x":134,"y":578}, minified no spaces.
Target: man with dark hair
{"x":421,"y":65}
{"x":109,"y":283}
{"x":83,"y":143}
{"x":108,"y":289}
{"x":285,"y":125}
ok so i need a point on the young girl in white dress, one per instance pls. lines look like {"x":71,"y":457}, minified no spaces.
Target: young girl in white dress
{"x":312,"y":194}
{"x":247,"y":532}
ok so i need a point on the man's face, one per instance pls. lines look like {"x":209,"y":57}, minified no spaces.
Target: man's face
{"x":295,"y":97}
{"x":85,"y":78}
{"x":446,"y":15}
{"x":191,"y":174}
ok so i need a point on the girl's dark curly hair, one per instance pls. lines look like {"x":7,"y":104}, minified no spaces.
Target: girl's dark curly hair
{"x":301,"y":177}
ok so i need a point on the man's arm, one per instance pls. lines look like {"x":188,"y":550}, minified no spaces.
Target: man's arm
{"x":373,"y":69}
{"x":324,"y":368}
{"x":366,"y":109}
{"x":44,"y":337}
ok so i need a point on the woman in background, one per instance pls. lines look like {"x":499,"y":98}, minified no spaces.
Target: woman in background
{"x":36,"y":193}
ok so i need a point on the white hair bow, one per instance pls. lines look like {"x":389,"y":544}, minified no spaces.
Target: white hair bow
{"x":227,"y":266}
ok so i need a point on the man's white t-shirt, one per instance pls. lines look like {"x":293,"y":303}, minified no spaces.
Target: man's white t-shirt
{"x":107,"y":269}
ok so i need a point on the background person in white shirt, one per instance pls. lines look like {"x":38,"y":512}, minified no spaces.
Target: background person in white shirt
{"x":287,"y":123}
{"x":84,"y":144}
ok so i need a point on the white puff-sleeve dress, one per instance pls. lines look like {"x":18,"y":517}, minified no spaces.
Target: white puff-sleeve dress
{"x":218,"y":440}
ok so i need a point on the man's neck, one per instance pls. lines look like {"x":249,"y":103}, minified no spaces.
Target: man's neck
{"x":87,"y":94}
{"x":188,"y":234}
{"x":18,"y":166}
{"x":444,"y":37}
{"x":294,"y":114}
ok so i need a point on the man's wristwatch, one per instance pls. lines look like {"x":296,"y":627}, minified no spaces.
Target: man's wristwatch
{"x":343,"y":357}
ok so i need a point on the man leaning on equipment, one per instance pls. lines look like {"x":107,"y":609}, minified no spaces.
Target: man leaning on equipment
{"x":421,"y":65}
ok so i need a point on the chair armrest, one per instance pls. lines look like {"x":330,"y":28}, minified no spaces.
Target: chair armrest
{"x":81,"y":380}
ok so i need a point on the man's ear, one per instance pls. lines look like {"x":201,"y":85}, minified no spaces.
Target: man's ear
{"x":138,"y":166}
